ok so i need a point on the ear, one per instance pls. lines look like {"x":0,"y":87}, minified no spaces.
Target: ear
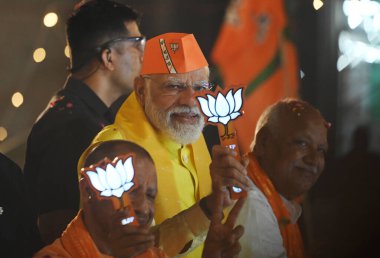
{"x":261,"y":141}
{"x":140,"y":88}
{"x":106,"y":58}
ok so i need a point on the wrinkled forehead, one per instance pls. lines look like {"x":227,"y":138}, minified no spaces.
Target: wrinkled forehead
{"x":200,"y":75}
{"x":308,"y":121}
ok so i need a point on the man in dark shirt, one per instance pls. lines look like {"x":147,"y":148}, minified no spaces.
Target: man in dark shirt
{"x":106,"y":53}
{"x":18,"y":232}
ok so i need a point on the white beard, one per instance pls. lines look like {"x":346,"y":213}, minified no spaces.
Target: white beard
{"x":181,"y":133}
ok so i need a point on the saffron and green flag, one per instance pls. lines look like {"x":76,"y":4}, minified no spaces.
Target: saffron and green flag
{"x":253,"y":49}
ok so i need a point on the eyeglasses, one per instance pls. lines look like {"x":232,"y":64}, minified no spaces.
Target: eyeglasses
{"x":176,"y":87}
{"x":138,"y":42}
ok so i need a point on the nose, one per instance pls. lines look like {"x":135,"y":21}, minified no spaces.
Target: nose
{"x":142,"y":208}
{"x":313,"y":160}
{"x":141,"y":56}
{"x":186,"y":97}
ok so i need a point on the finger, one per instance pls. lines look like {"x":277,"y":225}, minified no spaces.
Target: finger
{"x":129,"y":230}
{"x":235,"y":235}
{"x":232,"y":251}
{"x":217,"y":208}
{"x":228,"y":177}
{"x":227,"y":161}
{"x":218,"y":151}
{"x":131,"y":251}
{"x":131,"y":240}
{"x":231,"y":219}
{"x":245,"y":161}
{"x":230,"y":167}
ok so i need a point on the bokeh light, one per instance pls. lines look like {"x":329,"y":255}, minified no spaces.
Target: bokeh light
{"x":317,"y":4}
{"x":50,"y":19}
{"x":3,"y":133}
{"x":17,"y":99}
{"x":67,"y":51}
{"x":39,"y":55}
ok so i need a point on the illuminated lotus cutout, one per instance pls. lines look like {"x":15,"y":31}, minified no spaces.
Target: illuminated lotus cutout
{"x":113,"y":180}
{"x":222,"y":109}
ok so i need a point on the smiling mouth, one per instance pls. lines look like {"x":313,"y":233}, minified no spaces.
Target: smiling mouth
{"x":144,"y":221}
{"x":312,"y":171}
{"x":187,"y":117}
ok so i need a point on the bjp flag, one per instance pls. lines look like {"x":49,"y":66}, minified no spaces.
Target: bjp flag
{"x":253,"y":50}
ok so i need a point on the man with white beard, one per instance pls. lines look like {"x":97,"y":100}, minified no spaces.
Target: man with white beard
{"x":161,"y":115}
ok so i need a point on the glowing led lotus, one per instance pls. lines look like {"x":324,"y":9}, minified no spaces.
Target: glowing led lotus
{"x":114,"y":180}
{"x":222,"y":109}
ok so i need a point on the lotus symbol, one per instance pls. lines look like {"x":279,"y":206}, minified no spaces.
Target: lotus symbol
{"x":222,"y":109}
{"x":113,"y":180}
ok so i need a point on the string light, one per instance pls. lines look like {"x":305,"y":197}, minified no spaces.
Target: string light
{"x":3,"y":133}
{"x":50,"y":19}
{"x":17,"y":99}
{"x":317,"y":4}
{"x":67,"y":51}
{"x":39,"y":55}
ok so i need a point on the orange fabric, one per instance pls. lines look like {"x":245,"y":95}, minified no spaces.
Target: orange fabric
{"x":172,"y":53}
{"x":252,"y":50}
{"x":76,"y":242}
{"x":290,"y":233}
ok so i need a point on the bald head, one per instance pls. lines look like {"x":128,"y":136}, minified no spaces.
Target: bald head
{"x":113,"y":149}
{"x":284,"y":112}
{"x":290,"y":144}
{"x":117,"y":188}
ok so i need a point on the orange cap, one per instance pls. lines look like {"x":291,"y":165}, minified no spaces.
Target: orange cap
{"x":172,"y":53}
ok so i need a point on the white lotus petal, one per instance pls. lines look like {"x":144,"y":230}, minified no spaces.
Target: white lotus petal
{"x":221,"y":105}
{"x":128,"y":186}
{"x":238,"y":99}
{"x":120,"y":170}
{"x":95,"y":181}
{"x":106,"y":193}
{"x":129,"y":170}
{"x":211,"y":104}
{"x":204,"y":106}
{"x":103,"y":177}
{"x":224,"y":119}
{"x":234,"y":115}
{"x":213,"y":119}
{"x":113,"y":178}
{"x":118,"y":192}
{"x":231,"y":101}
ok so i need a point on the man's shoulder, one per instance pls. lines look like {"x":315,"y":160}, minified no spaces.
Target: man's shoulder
{"x":110,"y":132}
{"x":64,"y":113}
{"x":62,"y":106}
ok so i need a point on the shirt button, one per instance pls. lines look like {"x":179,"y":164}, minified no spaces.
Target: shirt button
{"x":185,"y":159}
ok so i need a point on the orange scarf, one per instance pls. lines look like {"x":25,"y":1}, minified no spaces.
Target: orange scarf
{"x":77,"y":240}
{"x":290,"y":233}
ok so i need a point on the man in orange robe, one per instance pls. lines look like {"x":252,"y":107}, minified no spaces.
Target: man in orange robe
{"x":103,"y":228}
{"x":287,"y":157}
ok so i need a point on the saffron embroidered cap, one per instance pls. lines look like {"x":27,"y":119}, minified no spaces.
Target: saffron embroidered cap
{"x":172,"y":53}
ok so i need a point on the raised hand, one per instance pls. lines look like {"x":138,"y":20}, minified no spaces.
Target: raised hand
{"x":128,"y":240}
{"x":223,"y":239}
{"x":227,"y":171}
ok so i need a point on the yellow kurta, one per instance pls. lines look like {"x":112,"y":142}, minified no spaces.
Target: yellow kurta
{"x":182,"y":171}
